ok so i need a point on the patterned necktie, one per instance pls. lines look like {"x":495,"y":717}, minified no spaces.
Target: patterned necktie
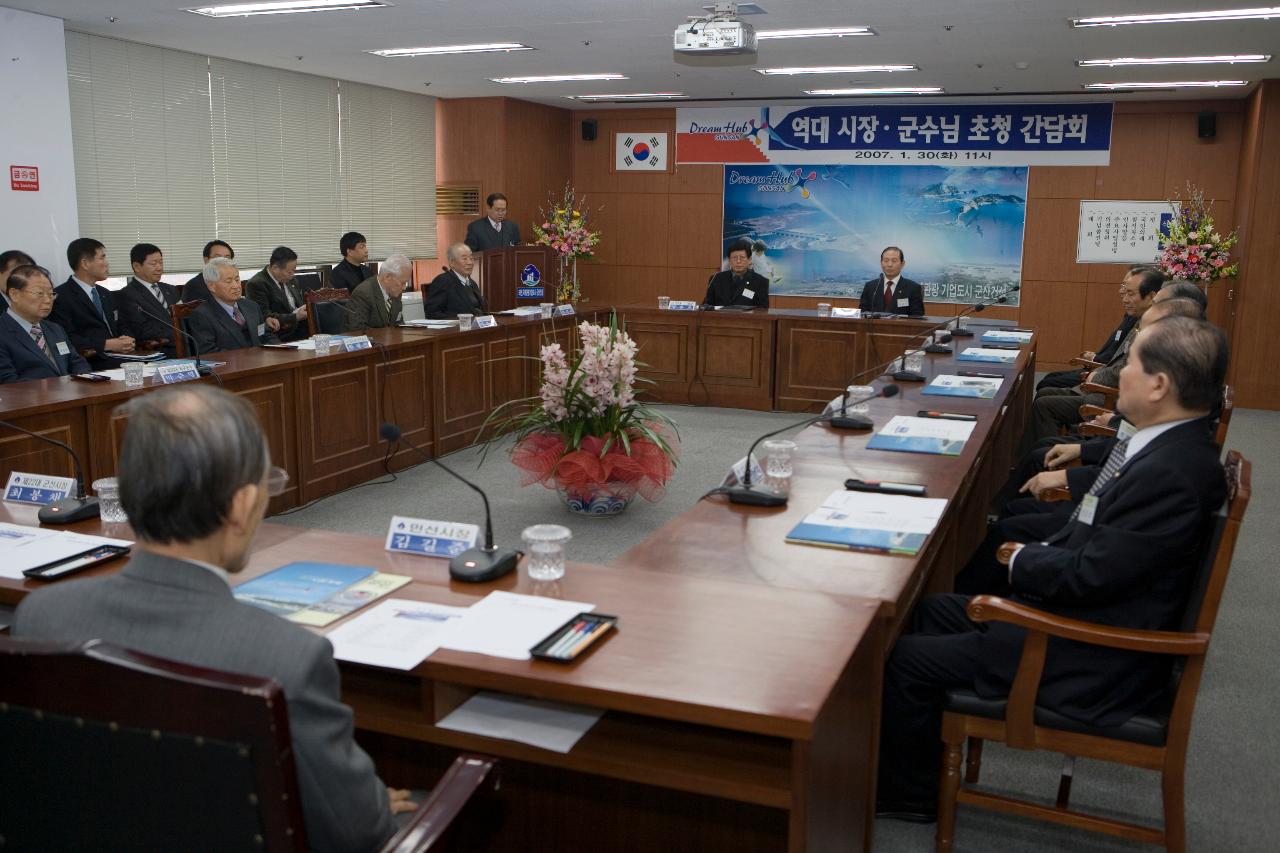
{"x":237,"y":316}
{"x":97,"y":303}
{"x":1109,"y":469}
{"x":390,"y":317}
{"x":888,"y":293}
{"x":159,"y":295}
{"x":37,"y":335}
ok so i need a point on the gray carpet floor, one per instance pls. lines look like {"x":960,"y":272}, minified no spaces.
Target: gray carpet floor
{"x":1234,"y":764}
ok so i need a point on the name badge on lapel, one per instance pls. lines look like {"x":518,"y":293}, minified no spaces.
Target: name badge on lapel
{"x":904,"y":303}
{"x":748,"y":293}
{"x":262,"y":329}
{"x":1126,"y":430}
{"x":1088,"y":508}
{"x":63,"y":349}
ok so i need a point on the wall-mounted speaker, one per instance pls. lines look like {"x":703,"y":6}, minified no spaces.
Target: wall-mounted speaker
{"x":590,"y":127}
{"x":1207,"y":125}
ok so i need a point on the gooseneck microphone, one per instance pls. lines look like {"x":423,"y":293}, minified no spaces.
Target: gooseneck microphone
{"x":66,"y":510}
{"x":475,"y":565}
{"x":959,"y":332}
{"x":755,"y":496}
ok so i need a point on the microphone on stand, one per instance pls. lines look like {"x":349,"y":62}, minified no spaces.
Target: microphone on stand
{"x":66,"y":510}
{"x":475,"y":565}
{"x":961,"y":332}
{"x":751,"y":495}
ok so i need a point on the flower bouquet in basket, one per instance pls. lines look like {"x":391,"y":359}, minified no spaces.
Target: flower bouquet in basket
{"x":585,"y":435}
{"x":1191,"y":249}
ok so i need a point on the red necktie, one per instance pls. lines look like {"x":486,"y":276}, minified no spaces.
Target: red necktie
{"x":888,"y":293}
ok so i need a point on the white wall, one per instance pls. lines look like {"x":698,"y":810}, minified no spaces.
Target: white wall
{"x":37,"y":132}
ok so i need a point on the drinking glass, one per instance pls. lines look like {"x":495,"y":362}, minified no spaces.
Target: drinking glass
{"x":664,"y":302}
{"x":134,"y":371}
{"x":464,"y":322}
{"x":915,"y":360}
{"x":108,"y":491}
{"x":857,"y":392}
{"x":546,"y":308}
{"x":544,"y":550}
{"x":779,"y":453}
{"x":322,"y":344}
{"x":824,"y":309}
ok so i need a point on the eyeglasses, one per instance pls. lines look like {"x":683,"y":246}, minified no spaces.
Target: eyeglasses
{"x":40,"y":294}
{"x":277,"y":481}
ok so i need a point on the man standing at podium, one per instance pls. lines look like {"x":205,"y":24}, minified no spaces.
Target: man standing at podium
{"x":891,"y":293}
{"x":493,"y":231}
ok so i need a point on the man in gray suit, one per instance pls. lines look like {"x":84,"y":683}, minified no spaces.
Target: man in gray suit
{"x":375,"y":303}
{"x":195,"y":517}
{"x":227,"y":320}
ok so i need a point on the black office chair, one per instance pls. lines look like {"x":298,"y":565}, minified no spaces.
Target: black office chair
{"x":107,"y":749}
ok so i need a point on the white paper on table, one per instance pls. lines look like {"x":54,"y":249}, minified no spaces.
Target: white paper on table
{"x":913,"y":427}
{"x":23,"y":548}
{"x":431,"y":324}
{"x":876,"y":511}
{"x":522,"y":311}
{"x":547,"y":725}
{"x":507,"y":625}
{"x":117,"y":374}
{"x":988,"y":352}
{"x":397,"y":633}
{"x":948,"y":380}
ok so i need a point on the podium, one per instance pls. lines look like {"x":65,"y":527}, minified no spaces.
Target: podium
{"x":503,"y":276}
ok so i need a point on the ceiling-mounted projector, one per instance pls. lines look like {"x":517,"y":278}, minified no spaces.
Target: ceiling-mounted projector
{"x":718,"y":33}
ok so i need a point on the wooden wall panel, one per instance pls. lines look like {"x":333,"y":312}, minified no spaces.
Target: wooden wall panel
{"x":1049,"y":241}
{"x":696,"y":231}
{"x":641,"y":285}
{"x":538,"y":159}
{"x":1075,"y":182}
{"x":643,"y":234}
{"x":1139,"y":152}
{"x":1053,"y":309}
{"x":1102,"y":312}
{"x":1204,"y":162}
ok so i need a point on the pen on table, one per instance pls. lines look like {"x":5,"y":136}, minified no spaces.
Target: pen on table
{"x":569,"y":640}
{"x":578,"y":626}
{"x":1002,"y":346}
{"x":947,"y":416}
{"x":586,"y":641}
{"x":981,"y":374}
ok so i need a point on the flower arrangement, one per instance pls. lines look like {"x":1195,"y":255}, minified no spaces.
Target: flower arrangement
{"x":586,"y":434}
{"x":564,"y":228}
{"x":1191,"y":248}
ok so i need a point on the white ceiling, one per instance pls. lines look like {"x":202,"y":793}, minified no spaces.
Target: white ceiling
{"x":969,"y":47}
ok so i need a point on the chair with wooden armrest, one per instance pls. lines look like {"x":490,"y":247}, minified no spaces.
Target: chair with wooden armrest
{"x":1085,"y":363}
{"x":159,"y":755}
{"x":178,"y":314}
{"x":327,"y":310}
{"x":1224,"y":416}
{"x":1109,"y":394}
{"x":1087,"y":413}
{"x":1155,"y":739}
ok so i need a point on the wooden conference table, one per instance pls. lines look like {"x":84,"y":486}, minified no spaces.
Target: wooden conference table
{"x":742,"y":691}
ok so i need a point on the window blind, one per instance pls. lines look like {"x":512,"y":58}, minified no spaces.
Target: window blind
{"x":140,"y":136}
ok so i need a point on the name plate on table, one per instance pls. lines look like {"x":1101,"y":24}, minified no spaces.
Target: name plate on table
{"x":430,"y":538}
{"x":565,"y":310}
{"x":846,"y":312}
{"x":682,"y":305}
{"x":178,"y":371}
{"x":357,"y":342}
{"x":486,"y":321}
{"x":997,"y":356}
{"x":37,"y":488}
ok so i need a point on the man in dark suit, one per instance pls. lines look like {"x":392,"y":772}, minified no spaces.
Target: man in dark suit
{"x":87,"y":311}
{"x":228,"y":321}
{"x":739,"y":284}
{"x":375,"y":303}
{"x":1126,"y":557}
{"x":9,"y":260}
{"x":891,"y":293}
{"x":493,"y":231}
{"x":351,"y":271}
{"x":194,"y":516}
{"x":453,"y":292}
{"x":32,"y":347}
{"x":279,"y":296}
{"x":145,"y":301}
{"x":196,"y":287}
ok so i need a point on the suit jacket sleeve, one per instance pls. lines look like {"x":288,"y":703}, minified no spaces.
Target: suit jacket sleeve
{"x":201,"y":328}
{"x":436,"y":304}
{"x":916,"y":309}
{"x":867,"y":301}
{"x":347,"y":808}
{"x":1080,"y":478}
{"x":8,"y":372}
{"x":710,"y":298}
{"x":1139,"y":534}
{"x":66,"y":315}
{"x":256,"y":318}
{"x":472,"y":239}
{"x":256,"y":290}
{"x":515,"y":235}
{"x":360,"y":310}
{"x":1095,"y":450}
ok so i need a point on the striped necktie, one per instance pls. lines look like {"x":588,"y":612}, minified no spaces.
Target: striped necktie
{"x":1109,"y":469}
{"x":37,"y":335}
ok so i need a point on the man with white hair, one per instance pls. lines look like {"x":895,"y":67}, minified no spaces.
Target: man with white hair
{"x":453,"y":292}
{"x":228,"y":321}
{"x":375,"y":303}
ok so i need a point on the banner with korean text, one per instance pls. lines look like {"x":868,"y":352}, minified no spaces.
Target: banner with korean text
{"x":1066,"y":134}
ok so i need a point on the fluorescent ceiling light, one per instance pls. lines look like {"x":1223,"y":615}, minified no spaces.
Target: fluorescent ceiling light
{"x":559,"y":78}
{"x":500,"y":47}
{"x":284,"y":7}
{"x":1184,"y":84}
{"x":1175,"y":60}
{"x":631,"y":96}
{"x":836,"y":69}
{"x":885,"y":90}
{"x":1178,"y":17}
{"x":814,"y":33}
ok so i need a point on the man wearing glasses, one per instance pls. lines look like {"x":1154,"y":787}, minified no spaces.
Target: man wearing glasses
{"x":173,"y":599}
{"x":31,"y":346}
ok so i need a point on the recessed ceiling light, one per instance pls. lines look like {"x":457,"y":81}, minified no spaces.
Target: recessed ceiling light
{"x":500,"y":47}
{"x":885,"y":90}
{"x":1183,"y":84}
{"x":1175,"y":60}
{"x":559,"y":78}
{"x":1178,"y":17}
{"x":814,"y":33}
{"x":836,"y":69}
{"x":631,"y":96}
{"x":284,"y":7}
